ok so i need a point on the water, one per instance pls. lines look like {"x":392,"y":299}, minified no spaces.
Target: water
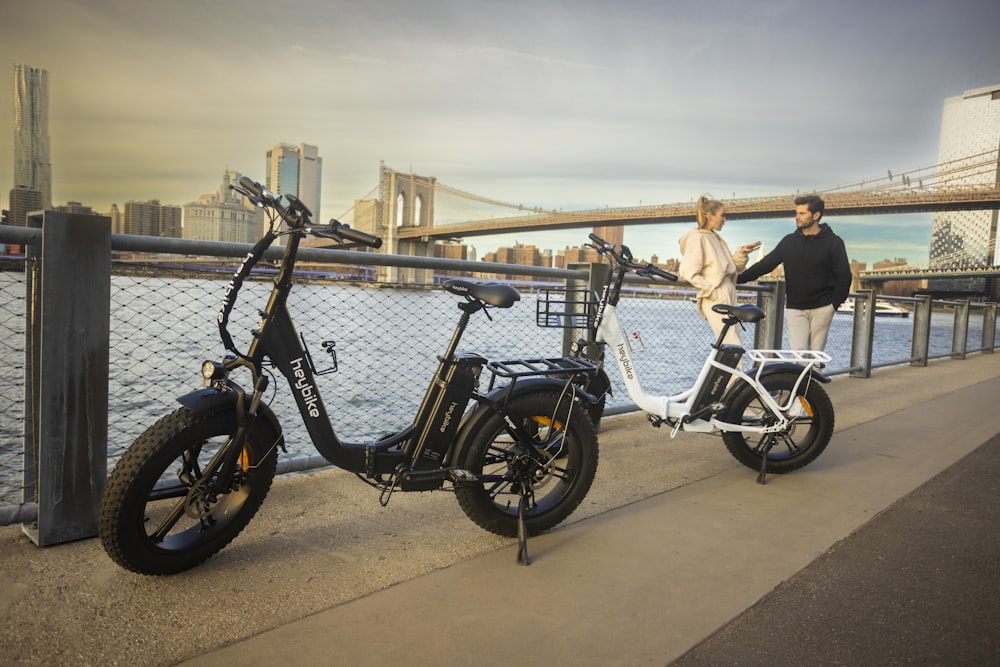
{"x":387,"y":342}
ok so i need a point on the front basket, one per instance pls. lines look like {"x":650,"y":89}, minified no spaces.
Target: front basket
{"x":559,"y":308}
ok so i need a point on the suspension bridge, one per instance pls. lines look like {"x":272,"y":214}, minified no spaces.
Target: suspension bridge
{"x":412,"y":212}
{"x":411,"y":207}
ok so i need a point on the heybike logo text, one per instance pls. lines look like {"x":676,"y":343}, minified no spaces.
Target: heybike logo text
{"x":306,"y":390}
{"x":626,"y":362}
{"x":448,"y":416}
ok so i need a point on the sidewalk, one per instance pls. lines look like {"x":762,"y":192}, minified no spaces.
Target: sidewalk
{"x":676,"y":548}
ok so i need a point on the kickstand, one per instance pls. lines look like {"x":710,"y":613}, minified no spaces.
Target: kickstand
{"x":522,"y":530}
{"x":763,"y":459}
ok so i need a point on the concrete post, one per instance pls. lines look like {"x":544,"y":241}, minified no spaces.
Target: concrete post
{"x":769,"y":331}
{"x":597,"y":274}
{"x":863,"y":334}
{"x":989,"y":327}
{"x":66,"y":447}
{"x":960,"y":330}
{"x":920,"y":348}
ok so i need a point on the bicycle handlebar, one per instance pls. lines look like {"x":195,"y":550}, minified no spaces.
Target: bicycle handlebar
{"x":623,"y":258}
{"x":296,"y":215}
{"x":339,"y":231}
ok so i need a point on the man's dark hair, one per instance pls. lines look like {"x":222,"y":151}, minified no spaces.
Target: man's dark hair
{"x":814,"y":203}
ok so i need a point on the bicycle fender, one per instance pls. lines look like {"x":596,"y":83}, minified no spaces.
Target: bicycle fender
{"x":599,"y":385}
{"x":210,"y":402}
{"x":788,"y":367}
{"x":474,"y":419}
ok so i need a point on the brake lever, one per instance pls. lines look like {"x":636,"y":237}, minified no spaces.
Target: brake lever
{"x":326,"y":233}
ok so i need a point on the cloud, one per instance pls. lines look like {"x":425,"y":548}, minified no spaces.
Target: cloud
{"x":558,"y":104}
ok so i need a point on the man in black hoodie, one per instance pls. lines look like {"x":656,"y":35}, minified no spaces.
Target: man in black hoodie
{"x":817,"y":275}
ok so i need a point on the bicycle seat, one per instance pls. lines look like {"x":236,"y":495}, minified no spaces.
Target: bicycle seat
{"x":493,"y":294}
{"x":744,"y":313}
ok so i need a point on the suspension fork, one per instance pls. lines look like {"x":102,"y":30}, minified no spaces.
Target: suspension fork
{"x":228,"y":457}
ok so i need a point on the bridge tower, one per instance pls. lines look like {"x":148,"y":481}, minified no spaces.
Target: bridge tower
{"x":405,"y":200}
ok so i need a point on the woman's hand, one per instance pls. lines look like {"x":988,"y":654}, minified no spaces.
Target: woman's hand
{"x":749,"y":247}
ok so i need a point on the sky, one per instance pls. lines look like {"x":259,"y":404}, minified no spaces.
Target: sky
{"x":566,"y":104}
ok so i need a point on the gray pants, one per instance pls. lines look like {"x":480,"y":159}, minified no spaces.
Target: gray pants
{"x":807,"y":329}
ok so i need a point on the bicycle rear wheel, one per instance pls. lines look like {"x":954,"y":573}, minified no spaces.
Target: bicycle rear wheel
{"x":804,"y":440}
{"x":558,"y":464}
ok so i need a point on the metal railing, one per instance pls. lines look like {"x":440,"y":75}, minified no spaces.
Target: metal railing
{"x":159,"y":325}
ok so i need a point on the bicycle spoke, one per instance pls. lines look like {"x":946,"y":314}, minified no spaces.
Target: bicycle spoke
{"x":173,"y":516}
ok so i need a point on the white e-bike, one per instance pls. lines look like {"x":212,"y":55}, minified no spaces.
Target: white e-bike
{"x":774,"y":418}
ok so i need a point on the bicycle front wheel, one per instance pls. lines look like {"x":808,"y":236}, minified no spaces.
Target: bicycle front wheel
{"x":164,"y":510}
{"x":557,"y":465}
{"x":803,"y":441}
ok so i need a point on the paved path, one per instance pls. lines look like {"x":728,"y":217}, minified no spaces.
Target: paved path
{"x":677,"y":555}
{"x":644,"y":583}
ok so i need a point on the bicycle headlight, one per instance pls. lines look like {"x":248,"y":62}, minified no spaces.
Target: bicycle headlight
{"x":212,"y":371}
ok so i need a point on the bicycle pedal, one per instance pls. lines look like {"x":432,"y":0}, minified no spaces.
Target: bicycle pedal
{"x":654,"y":421}
{"x":458,"y":475}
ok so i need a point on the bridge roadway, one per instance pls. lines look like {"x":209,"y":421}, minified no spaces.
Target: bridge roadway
{"x":863,"y":203}
{"x":883,"y":551}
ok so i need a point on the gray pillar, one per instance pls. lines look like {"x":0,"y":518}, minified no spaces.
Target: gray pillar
{"x":960,"y":330}
{"x":863,"y":334}
{"x":577,"y":291}
{"x":920,"y":349}
{"x":67,"y":440}
{"x":768,"y":332}
{"x":989,"y":327}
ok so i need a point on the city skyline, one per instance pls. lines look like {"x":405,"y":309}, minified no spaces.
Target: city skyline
{"x":564,"y":106}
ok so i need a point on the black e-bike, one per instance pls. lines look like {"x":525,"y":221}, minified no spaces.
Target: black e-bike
{"x":520,"y":459}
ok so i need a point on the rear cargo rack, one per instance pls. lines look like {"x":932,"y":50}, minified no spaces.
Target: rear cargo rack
{"x":554,"y":367}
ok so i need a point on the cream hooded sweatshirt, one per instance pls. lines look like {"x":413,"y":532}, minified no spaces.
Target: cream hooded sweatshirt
{"x":709,"y":266}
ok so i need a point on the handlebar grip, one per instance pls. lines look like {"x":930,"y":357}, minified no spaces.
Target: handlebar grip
{"x":356,"y":235}
{"x":251,"y":186}
{"x":666,"y":275}
{"x":598,"y":240}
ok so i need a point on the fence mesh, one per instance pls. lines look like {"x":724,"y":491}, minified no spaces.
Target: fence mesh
{"x":13,"y":325}
{"x":385,"y":339}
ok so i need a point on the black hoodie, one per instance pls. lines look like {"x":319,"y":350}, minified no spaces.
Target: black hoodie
{"x":817,"y":272}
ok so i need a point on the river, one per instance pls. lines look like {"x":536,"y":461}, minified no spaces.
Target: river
{"x":386,"y":341}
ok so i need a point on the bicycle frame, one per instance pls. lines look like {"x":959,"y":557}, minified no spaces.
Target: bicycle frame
{"x":519,"y":461}
{"x":683,"y":406}
{"x":421,"y":456}
{"x":695,"y":409}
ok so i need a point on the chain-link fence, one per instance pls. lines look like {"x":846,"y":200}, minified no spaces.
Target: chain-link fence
{"x":383,"y":341}
{"x":13,"y":326}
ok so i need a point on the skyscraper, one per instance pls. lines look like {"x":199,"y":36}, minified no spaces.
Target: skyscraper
{"x":296,"y":170}
{"x":152,"y":219}
{"x":970,"y":134}
{"x":32,"y":168}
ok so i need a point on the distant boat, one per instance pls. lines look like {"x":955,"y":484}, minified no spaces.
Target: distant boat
{"x":882,"y":309}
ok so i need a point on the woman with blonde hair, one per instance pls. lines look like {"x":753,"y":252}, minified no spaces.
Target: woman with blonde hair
{"x":709,"y":266}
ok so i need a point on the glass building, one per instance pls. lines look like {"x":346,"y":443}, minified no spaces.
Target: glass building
{"x":32,"y":166}
{"x":970,"y":139}
{"x":296,"y":170}
{"x":970,"y":135}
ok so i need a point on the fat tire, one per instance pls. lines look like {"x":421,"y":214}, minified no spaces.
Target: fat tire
{"x":795,"y":449}
{"x":556,"y":494}
{"x":128,"y":503}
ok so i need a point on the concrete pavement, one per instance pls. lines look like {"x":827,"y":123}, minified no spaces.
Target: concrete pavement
{"x":644,"y":583}
{"x":674,"y":557}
